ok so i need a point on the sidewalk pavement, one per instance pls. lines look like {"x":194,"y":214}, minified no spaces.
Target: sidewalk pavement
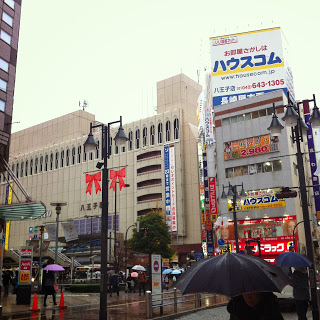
{"x":86,"y":306}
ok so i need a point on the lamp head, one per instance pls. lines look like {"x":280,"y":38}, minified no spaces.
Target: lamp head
{"x":90,"y":144}
{"x":315,"y":117}
{"x":230,"y":194}
{"x":243,"y":194}
{"x":120,"y":137}
{"x":275,"y":126}
{"x":291,"y":116}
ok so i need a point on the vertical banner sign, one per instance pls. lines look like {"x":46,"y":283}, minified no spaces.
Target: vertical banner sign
{"x":25,"y":263}
{"x":156,"y":279}
{"x":208,"y":126}
{"x":167,"y":186}
{"x":207,"y":206}
{"x":213,"y":198}
{"x":173,"y":189}
{"x":312,"y":157}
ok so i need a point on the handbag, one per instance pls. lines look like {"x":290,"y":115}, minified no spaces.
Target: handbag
{"x":56,"y":287}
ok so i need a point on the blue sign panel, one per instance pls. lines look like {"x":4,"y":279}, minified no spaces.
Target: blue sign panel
{"x":220,"y":242}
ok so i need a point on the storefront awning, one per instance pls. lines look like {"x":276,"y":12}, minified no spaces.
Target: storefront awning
{"x":22,"y":211}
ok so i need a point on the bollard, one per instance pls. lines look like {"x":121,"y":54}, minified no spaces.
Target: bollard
{"x":198,"y":300}
{"x":175,"y":300}
{"x":0,"y":312}
{"x":149,"y":304}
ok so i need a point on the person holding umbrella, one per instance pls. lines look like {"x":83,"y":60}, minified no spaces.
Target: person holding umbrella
{"x":301,"y":292}
{"x":49,"y":282}
{"x":142,"y":282}
{"x":254,"y":306}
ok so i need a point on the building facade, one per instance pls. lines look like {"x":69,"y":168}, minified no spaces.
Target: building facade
{"x":50,"y":162}
{"x":10,"y":12}
{"x":247,"y":155}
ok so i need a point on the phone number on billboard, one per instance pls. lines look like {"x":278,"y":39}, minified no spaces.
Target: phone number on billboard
{"x":262,"y":84}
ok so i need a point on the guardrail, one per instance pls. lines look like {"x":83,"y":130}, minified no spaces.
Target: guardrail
{"x":172,"y":300}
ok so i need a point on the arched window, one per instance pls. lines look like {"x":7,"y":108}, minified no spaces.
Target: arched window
{"x":51,"y":161}
{"x":176,"y":129}
{"x":152,"y":135}
{"x":31,"y":167}
{"x":41,"y":164}
{"x":36,"y":165}
{"x":90,"y":155}
{"x":56,"y":163}
{"x":79,"y":154}
{"x":17,"y":173}
{"x":97,"y":150}
{"x":61,"y":158}
{"x":67,"y":157}
{"x":137,"y":139}
{"x":12,"y":168}
{"x":84,"y":154}
{"x":144,"y":136}
{"x":73,"y":155}
{"x":26,"y":172}
{"x":160,"y":132}
{"x":45,"y":163}
{"x":21,"y":169}
{"x":110,"y":146}
{"x":168,"y":131}
{"x":130,"y":141}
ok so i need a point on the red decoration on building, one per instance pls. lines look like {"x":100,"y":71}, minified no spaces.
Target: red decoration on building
{"x":117,"y":174}
{"x":90,"y":178}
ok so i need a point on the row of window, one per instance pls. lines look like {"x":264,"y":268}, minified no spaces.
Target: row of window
{"x":68,"y":157}
{"x":160,"y":138}
{"x":247,"y":116}
{"x":10,"y":3}
{"x":268,"y":166}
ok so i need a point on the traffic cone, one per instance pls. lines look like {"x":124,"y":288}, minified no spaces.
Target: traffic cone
{"x":35,"y":304}
{"x":61,"y":314}
{"x":61,"y":305}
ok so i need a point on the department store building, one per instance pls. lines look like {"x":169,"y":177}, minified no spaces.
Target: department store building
{"x":50,"y":162}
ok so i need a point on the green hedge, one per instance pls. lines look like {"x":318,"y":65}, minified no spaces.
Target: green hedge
{"x":81,"y":288}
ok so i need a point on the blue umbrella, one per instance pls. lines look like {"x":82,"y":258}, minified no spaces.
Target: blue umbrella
{"x":167,"y":271}
{"x":292,"y":259}
{"x":176,"y":271}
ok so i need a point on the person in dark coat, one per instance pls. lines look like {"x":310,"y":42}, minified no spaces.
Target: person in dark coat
{"x":49,"y":288}
{"x":129,"y":279}
{"x":114,"y":280}
{"x":6,"y":282}
{"x":254,"y":306}
{"x":301,"y":293}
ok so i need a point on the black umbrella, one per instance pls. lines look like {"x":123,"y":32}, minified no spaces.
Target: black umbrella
{"x":232,"y":274}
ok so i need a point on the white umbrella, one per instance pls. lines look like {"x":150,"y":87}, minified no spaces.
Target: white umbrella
{"x":138,"y":267}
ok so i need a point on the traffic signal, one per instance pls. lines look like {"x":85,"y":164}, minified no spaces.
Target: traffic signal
{"x":248,"y":250}
{"x":286,"y":193}
{"x":144,"y":230}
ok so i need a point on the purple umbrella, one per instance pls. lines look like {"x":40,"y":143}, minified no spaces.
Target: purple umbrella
{"x":53,"y":267}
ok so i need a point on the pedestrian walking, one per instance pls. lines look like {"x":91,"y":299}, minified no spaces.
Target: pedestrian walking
{"x":6,"y":279}
{"x":49,"y":283}
{"x":301,"y":293}
{"x":114,"y":280}
{"x":109,"y":285}
{"x":129,"y":279}
{"x":142,"y":278}
{"x":254,"y":306}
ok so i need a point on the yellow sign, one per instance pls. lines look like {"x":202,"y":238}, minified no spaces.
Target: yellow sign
{"x":24,"y":276}
{"x":214,"y":217}
{"x":165,"y":262}
{"x":227,"y":248}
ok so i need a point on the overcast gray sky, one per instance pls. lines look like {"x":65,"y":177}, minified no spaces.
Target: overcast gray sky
{"x":112,"y":53}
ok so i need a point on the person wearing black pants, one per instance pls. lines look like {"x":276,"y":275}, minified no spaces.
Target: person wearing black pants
{"x":301,"y":292}
{"x":49,"y":288}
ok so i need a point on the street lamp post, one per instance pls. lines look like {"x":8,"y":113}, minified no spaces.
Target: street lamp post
{"x":116,"y":264}
{"x":58,"y":206}
{"x":91,"y":145}
{"x":233,"y":195}
{"x":40,"y":256}
{"x":125,"y":250}
{"x":298,"y":127}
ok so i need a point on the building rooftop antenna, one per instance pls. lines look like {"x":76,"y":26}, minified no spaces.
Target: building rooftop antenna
{"x":84,"y":104}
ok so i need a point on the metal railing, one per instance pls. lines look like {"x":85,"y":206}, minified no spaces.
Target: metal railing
{"x":171,"y":300}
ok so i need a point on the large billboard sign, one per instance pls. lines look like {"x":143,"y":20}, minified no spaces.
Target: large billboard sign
{"x":167,"y":186}
{"x":248,"y":64}
{"x":250,"y":147}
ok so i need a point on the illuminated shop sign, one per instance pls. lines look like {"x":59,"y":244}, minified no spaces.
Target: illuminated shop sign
{"x":249,"y":147}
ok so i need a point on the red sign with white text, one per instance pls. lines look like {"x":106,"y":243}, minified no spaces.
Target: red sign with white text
{"x":25,"y":252}
{"x":212,"y":195}
{"x":25,"y":265}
